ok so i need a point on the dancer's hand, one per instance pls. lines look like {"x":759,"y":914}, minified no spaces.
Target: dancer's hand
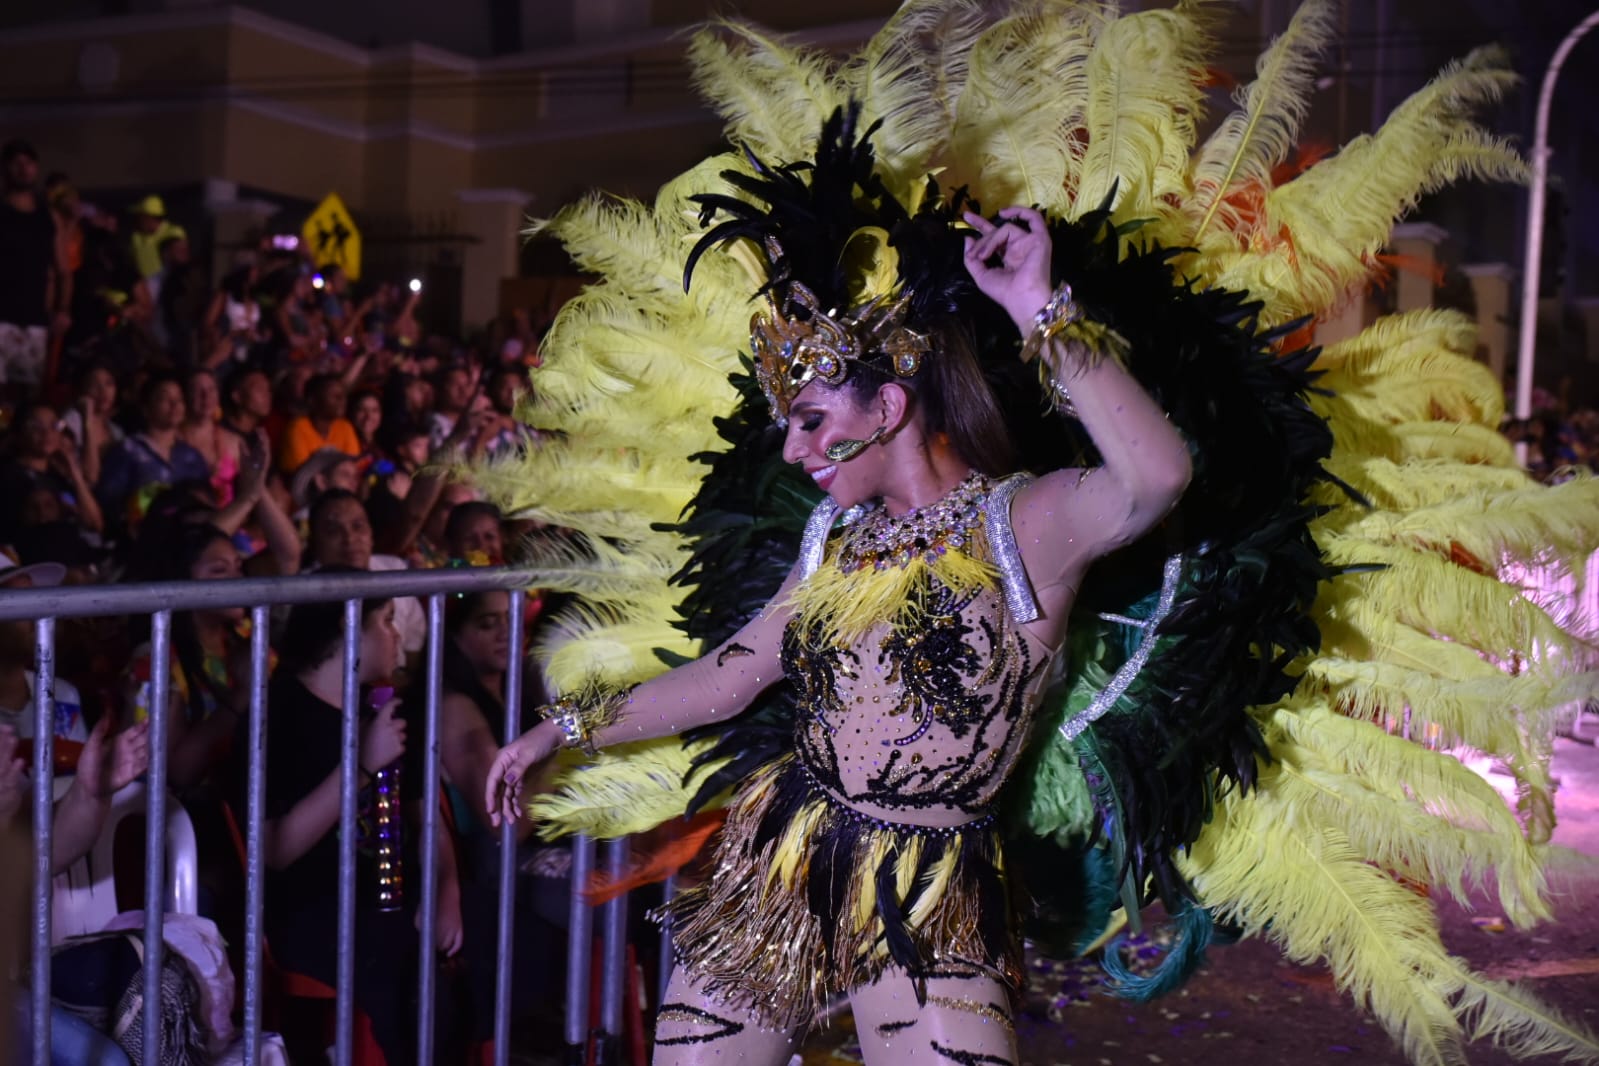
{"x":1010,"y":262}
{"x":503,"y":793}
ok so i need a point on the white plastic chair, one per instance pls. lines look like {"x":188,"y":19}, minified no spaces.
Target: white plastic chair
{"x":84,"y":897}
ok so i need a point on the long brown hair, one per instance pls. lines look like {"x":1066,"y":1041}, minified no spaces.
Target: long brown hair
{"x":956,"y":399}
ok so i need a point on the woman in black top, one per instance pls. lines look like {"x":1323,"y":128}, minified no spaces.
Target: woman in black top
{"x":300,"y":830}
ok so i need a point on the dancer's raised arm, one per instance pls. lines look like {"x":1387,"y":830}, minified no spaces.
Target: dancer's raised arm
{"x":1066,"y":519}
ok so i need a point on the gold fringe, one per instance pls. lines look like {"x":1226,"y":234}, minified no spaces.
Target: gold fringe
{"x":749,"y":936}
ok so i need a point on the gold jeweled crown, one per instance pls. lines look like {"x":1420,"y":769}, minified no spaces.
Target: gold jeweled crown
{"x":795,"y":342}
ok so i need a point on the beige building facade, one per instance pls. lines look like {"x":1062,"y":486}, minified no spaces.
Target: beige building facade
{"x":244,"y":120}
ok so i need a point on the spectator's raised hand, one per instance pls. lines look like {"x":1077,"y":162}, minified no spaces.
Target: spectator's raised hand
{"x":108,"y":763}
{"x":65,"y":458}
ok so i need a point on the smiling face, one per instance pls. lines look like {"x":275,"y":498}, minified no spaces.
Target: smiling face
{"x":478,"y":536}
{"x":822,"y":415}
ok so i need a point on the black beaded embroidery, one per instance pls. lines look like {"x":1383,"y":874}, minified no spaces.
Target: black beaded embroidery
{"x":962,"y":669}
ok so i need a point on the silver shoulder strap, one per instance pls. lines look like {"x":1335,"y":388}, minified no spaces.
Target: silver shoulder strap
{"x":813,"y":545}
{"x":1019,"y":598}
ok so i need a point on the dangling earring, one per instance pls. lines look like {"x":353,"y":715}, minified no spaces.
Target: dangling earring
{"x":844,"y":450}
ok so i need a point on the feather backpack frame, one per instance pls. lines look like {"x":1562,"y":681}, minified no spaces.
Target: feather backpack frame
{"x":1340,"y":566}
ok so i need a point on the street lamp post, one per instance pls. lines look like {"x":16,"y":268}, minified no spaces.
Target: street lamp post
{"x":1535,"y":210}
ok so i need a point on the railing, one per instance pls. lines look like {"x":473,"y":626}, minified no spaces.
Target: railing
{"x":44,"y":606}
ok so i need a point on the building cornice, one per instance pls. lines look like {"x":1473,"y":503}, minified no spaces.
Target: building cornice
{"x":835,"y":35}
{"x":363,"y":133}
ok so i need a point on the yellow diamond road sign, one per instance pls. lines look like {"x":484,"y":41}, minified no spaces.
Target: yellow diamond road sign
{"x":331,"y":236}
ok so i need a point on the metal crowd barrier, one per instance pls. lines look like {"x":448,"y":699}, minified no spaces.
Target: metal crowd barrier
{"x":45,"y":605}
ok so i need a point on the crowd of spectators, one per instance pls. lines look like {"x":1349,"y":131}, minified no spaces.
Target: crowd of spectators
{"x":1560,"y":437}
{"x":167,"y":418}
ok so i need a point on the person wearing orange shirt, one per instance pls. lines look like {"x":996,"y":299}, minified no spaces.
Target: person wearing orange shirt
{"x":322,"y":426}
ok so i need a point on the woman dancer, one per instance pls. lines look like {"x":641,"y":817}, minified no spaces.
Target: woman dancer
{"x":916,"y":700}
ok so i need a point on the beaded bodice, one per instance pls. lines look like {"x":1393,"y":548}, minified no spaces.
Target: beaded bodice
{"x":922,"y":724}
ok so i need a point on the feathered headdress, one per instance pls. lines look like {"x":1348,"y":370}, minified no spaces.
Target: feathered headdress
{"x":850,"y":275}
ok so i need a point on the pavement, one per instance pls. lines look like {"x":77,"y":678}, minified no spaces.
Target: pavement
{"x":1249,"y":1005}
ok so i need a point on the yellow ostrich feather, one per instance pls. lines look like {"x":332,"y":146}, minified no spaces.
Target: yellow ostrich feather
{"x":1420,"y":482}
{"x":1445,"y":826}
{"x":1026,"y":91}
{"x":773,"y":97}
{"x":936,"y":884}
{"x":1520,"y":522}
{"x":1461,"y":442}
{"x":848,"y":606}
{"x":1256,"y":138}
{"x":628,"y":789}
{"x":605,"y":231}
{"x":1340,"y":212}
{"x":1439,"y":597}
{"x":1277,"y":871}
{"x":1144,"y":100}
{"x":910,"y":77}
{"x":580,"y":648}
{"x":1478,"y":708}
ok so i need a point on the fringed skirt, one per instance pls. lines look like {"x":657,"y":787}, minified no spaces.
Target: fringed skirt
{"x":809,"y":898}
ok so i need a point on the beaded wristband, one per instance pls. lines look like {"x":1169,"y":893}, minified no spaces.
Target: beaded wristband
{"x":1061,"y":311}
{"x":1089,"y":344}
{"x":582,"y":714}
{"x":566,"y":714}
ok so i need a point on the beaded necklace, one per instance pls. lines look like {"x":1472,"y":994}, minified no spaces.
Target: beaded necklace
{"x":881,"y":540}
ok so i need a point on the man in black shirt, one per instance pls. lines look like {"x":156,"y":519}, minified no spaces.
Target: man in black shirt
{"x":31,"y":278}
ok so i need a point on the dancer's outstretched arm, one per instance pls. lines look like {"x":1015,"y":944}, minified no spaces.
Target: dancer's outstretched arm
{"x":712,"y":688}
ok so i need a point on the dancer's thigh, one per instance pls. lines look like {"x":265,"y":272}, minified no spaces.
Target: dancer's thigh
{"x":966,"y":1021}
{"x":692,"y":1028}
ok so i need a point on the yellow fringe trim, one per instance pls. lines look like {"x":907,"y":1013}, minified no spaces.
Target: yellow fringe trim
{"x":843,"y":607}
